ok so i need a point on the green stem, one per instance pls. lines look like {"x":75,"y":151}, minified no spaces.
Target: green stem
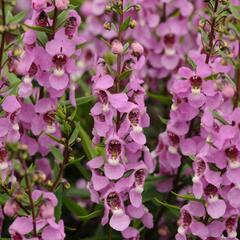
{"x":3,"y":34}
{"x":119,"y":62}
{"x":55,"y":14}
{"x":237,"y":95}
{"x":66,"y":155}
{"x":212,"y":33}
{"x":29,"y":193}
{"x":16,"y":200}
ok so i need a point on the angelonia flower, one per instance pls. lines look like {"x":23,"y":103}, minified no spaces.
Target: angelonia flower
{"x":46,"y":224}
{"x":195,"y":131}
{"x":165,"y":36}
{"x":44,"y":72}
{"x":123,"y":53}
{"x":120,"y":116}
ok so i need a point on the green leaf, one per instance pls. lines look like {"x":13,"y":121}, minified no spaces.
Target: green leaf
{"x":191,"y":62}
{"x":109,"y":58}
{"x":54,"y":138}
{"x":155,"y":178}
{"x":163,"y":120}
{"x":86,"y":143}
{"x":61,"y":19}
{"x":83,"y":170}
{"x":74,"y":134}
{"x":56,"y":153}
{"x":74,"y":208}
{"x":125,"y":75}
{"x":17,"y":18}
{"x":125,"y":24}
{"x":128,"y":173}
{"x":74,"y":161}
{"x":66,"y":128}
{"x":76,"y":3}
{"x":235,"y":11}
{"x":174,"y":209}
{"x":217,"y":116}
{"x":42,"y":38}
{"x":77,"y":192}
{"x":166,"y":100}
{"x":79,"y":101}
{"x":150,"y":193}
{"x":3,"y":198}
{"x":92,"y":215}
{"x":187,"y":197}
{"x":58,"y":208}
{"x":38,"y":28}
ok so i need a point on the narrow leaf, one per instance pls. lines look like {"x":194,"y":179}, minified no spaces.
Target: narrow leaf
{"x":17,"y":18}
{"x":86,"y":143}
{"x":74,"y":134}
{"x":79,"y":101}
{"x":125,"y":24}
{"x":58,"y":208}
{"x":73,"y":207}
{"x":167,"y":205}
{"x":187,"y":197}
{"x":92,"y":215}
{"x":38,"y":28}
{"x":56,"y":153}
{"x":125,"y":75}
{"x":217,"y":116}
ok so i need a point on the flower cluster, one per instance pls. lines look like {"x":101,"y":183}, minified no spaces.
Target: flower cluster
{"x":46,"y":225}
{"x":77,"y":93}
{"x":165,"y":35}
{"x":119,"y":119}
{"x":203,"y":125}
{"x":44,"y":66}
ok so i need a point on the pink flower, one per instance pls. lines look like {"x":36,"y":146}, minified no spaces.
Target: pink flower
{"x":11,"y":104}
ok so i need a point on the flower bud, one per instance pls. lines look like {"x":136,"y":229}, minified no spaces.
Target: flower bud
{"x":117,"y":47}
{"x":46,"y":210}
{"x":202,"y":23}
{"x":107,"y":26}
{"x":137,"y":7}
{"x":132,"y":24}
{"x":11,"y":208}
{"x":108,"y":8}
{"x":39,"y":4}
{"x":137,"y":49}
{"x":62,"y":4}
{"x":228,"y":91}
{"x":2,"y":28}
{"x":232,"y":37}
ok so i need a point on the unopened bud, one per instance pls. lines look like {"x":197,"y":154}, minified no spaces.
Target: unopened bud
{"x":46,"y":210}
{"x":2,"y":28}
{"x":17,"y":52}
{"x":49,"y":183}
{"x":117,"y":47}
{"x":228,"y":91}
{"x":120,"y":3}
{"x":201,"y":23}
{"x":232,"y":37}
{"x":11,"y":208}
{"x":13,"y":26}
{"x":108,"y":8}
{"x":132,"y":24}
{"x":66,"y":185}
{"x":137,"y":48}
{"x":137,"y":7}
{"x":107,"y":26}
